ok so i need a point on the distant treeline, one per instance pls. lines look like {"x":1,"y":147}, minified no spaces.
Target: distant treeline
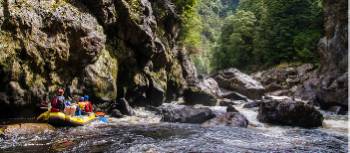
{"x":253,"y":34}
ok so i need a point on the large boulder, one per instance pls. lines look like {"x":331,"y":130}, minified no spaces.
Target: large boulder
{"x":295,"y":80}
{"x":204,"y":92}
{"x":233,"y":119}
{"x":289,"y":112}
{"x":195,"y":95}
{"x":185,"y":114}
{"x":233,"y":79}
{"x":210,"y":85}
{"x":333,"y":49}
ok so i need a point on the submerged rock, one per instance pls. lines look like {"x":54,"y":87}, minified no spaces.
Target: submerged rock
{"x":252,"y":104}
{"x":123,"y":106}
{"x":233,"y":79}
{"x":289,"y":113}
{"x":185,"y":114}
{"x":25,"y":128}
{"x":234,"y":119}
{"x":116,"y":113}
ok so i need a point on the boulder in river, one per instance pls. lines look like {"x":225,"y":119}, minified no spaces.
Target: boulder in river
{"x":295,"y":80}
{"x":234,"y":119}
{"x":233,"y":79}
{"x":116,"y":113}
{"x":123,"y":107}
{"x":185,"y":114}
{"x":289,"y":113}
{"x":196,"y":95}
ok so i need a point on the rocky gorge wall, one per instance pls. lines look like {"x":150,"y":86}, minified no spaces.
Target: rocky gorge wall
{"x":107,"y":49}
{"x":333,"y":49}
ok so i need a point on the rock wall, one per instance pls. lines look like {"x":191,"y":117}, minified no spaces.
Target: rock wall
{"x":333,"y":48}
{"x":95,"y":47}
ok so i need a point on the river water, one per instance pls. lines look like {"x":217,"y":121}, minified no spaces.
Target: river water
{"x":145,"y":133}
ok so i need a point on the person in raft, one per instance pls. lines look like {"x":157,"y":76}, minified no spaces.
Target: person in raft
{"x":85,"y":105}
{"x":88,"y":104}
{"x":69,"y":108}
{"x":57,"y":102}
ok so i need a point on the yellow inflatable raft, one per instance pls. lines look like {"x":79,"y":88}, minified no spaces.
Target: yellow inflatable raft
{"x":61,"y":119}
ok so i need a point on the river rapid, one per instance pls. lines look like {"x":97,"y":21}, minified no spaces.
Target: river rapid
{"x":145,"y":133}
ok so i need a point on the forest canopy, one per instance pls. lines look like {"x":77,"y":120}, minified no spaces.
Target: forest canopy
{"x":252,"y":34}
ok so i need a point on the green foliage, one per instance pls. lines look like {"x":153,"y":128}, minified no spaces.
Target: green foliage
{"x":191,"y":24}
{"x":236,"y":41}
{"x":268,"y":32}
{"x":212,"y":14}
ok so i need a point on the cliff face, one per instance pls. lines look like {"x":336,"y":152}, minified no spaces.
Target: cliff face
{"x":95,"y":47}
{"x":333,"y":48}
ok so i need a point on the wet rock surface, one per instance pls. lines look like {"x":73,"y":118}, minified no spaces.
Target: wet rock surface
{"x":284,"y":77}
{"x":233,"y":96}
{"x":121,"y":106}
{"x":185,"y":114}
{"x":289,"y":113}
{"x":233,"y":119}
{"x":25,"y":129}
{"x":333,"y":49}
{"x":234,"y":80}
{"x":227,"y":102}
{"x":252,"y":104}
{"x":196,"y":95}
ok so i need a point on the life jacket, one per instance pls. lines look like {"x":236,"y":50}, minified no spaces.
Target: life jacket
{"x":88,"y":106}
{"x":81,"y":105}
{"x":57,"y":104}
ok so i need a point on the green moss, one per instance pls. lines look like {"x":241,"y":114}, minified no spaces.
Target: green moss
{"x":58,"y":3}
{"x":175,"y":74}
{"x":9,"y":47}
{"x":33,"y":80}
{"x":108,"y":66}
{"x":140,"y":80}
{"x":135,"y":9}
{"x":160,"y":78}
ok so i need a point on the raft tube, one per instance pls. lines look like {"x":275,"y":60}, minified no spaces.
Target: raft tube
{"x":61,"y":119}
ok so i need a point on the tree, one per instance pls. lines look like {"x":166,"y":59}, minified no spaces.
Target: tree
{"x":236,"y":41}
{"x":191,"y":28}
{"x":267,"y":32}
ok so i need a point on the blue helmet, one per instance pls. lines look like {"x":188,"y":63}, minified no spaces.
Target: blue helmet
{"x":81,"y":99}
{"x":86,"y":97}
